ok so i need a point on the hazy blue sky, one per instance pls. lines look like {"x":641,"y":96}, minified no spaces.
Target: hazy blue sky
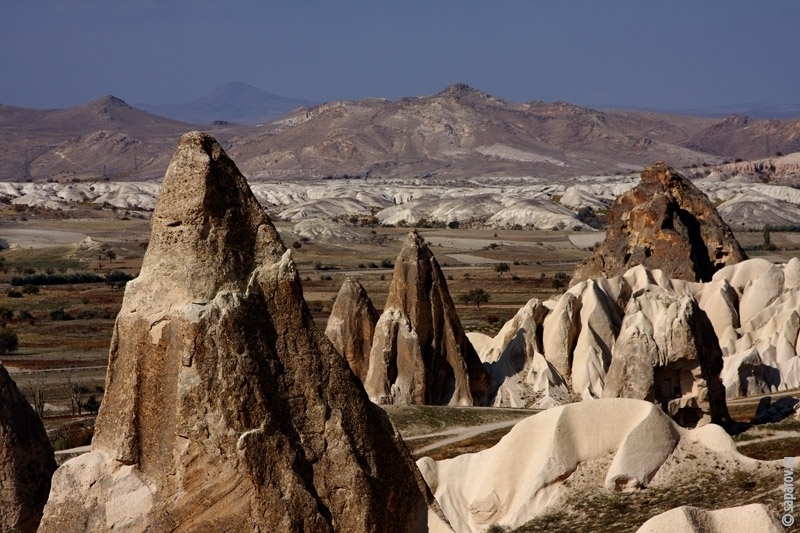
{"x":662,"y":54}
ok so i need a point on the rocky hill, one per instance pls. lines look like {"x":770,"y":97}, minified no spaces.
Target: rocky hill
{"x":665,"y":222}
{"x":747,"y":138}
{"x":459,"y":132}
{"x":104,"y":138}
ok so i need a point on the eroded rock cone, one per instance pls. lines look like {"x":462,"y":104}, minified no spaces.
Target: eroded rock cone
{"x":226,"y":409}
{"x":26,"y":460}
{"x":420,"y":353}
{"x":352,"y":324}
{"x":665,"y":223}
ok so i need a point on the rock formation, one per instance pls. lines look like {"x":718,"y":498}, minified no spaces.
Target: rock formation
{"x":226,"y":409}
{"x":515,"y":362}
{"x":352,"y":324}
{"x":420,"y":354}
{"x":667,"y":352}
{"x":761,"y":349}
{"x":555,"y":459}
{"x":663,"y":223}
{"x":688,"y":519}
{"x":26,"y":460}
{"x":626,"y":336}
{"x":501,"y":486}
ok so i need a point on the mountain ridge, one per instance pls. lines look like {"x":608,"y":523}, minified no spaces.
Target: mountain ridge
{"x":459,"y":132}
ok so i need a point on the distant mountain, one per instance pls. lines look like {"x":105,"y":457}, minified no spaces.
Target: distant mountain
{"x":760,"y":111}
{"x":236,"y":103}
{"x":104,"y":138}
{"x":458,"y":133}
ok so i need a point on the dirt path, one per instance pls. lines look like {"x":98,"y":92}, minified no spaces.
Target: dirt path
{"x":755,"y":399}
{"x":459,"y":434}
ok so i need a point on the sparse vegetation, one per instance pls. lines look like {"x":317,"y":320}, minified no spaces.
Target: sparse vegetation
{"x":476,"y":296}
{"x":9,"y":342}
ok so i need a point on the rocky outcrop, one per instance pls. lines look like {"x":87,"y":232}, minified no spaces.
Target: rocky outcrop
{"x":501,"y":486}
{"x":664,"y":223}
{"x":688,"y":519}
{"x":226,"y":409}
{"x":515,"y":362}
{"x":352,"y":324}
{"x":420,"y":354}
{"x":26,"y":460}
{"x":761,"y":350}
{"x":667,"y":352}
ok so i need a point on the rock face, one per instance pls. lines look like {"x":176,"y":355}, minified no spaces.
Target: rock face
{"x":667,"y":352}
{"x":663,"y":223}
{"x":515,"y":362}
{"x":351,"y":326}
{"x":420,"y":354}
{"x":644,"y":335}
{"x":225,"y":408}
{"x":26,"y":460}
{"x":761,"y":348}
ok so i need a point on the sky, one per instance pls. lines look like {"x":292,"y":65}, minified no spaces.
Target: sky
{"x":642,"y":53}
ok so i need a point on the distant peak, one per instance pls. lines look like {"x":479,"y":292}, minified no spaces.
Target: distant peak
{"x":458,"y":89}
{"x":109,"y":101}
{"x":737,"y":119}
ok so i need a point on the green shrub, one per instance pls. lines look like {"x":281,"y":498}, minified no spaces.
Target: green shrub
{"x":14,"y":294}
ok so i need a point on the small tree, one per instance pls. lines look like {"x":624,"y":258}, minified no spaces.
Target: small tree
{"x":8,"y":341}
{"x":92,"y":405}
{"x":501,"y":268}
{"x":30,"y":289}
{"x":111,"y":254}
{"x":478,"y":296}
{"x":76,"y":393}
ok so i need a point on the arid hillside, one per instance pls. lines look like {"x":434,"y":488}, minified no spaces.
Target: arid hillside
{"x":459,"y":132}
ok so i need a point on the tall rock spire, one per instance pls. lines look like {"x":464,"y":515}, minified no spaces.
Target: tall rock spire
{"x":420,"y":353}
{"x":226,"y":408}
{"x":351,"y":326}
